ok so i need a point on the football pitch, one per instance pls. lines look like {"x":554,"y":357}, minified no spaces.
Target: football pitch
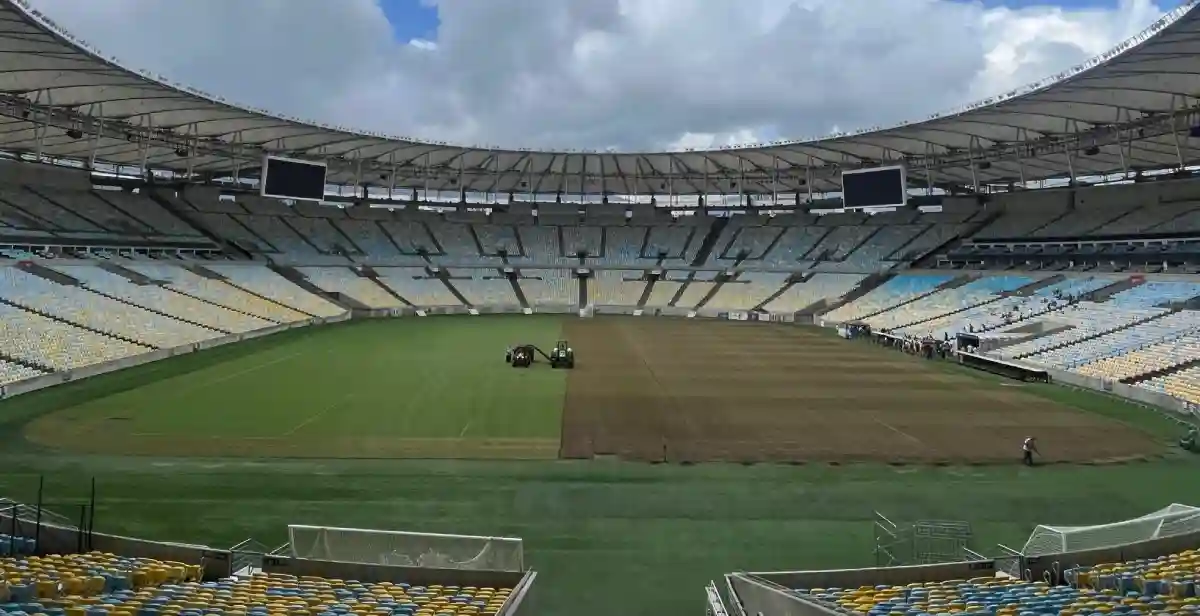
{"x":359,"y":424}
{"x":376,"y":389}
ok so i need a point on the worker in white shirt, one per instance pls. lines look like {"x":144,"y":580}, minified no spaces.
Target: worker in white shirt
{"x":1030,"y":448}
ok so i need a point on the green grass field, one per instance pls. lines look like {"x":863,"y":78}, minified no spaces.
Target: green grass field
{"x":365,"y":389}
{"x":646,"y":536}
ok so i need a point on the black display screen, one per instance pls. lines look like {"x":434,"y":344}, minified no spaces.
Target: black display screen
{"x":874,"y":187}
{"x":286,"y":178}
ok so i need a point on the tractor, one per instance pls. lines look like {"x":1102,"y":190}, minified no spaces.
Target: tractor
{"x":563,"y":356}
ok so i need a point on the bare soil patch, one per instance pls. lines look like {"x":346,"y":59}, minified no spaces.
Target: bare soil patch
{"x":681,"y":390}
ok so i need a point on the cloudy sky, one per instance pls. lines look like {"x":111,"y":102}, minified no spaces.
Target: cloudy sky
{"x":629,"y":74}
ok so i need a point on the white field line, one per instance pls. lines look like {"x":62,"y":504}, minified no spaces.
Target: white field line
{"x":319,"y":414}
{"x":906,"y":435}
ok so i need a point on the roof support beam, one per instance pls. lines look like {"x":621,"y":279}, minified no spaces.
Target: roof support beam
{"x":1179,"y":149}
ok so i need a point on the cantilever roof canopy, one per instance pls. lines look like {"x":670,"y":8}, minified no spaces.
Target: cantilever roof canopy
{"x":1127,"y":110}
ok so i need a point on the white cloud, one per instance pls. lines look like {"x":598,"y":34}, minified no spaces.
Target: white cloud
{"x":632,"y":74}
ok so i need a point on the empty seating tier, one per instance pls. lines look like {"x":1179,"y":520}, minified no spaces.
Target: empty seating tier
{"x":484,"y":287}
{"x":895,"y":291}
{"x":56,"y":345}
{"x":220,"y":293}
{"x":165,"y":301}
{"x":90,"y":310}
{"x":1157,"y":356}
{"x":341,"y":280}
{"x":261,"y":280}
{"x":415,"y":285}
{"x":79,"y":583}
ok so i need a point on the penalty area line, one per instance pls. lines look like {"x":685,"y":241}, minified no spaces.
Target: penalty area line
{"x":318,"y":415}
{"x":906,"y":435}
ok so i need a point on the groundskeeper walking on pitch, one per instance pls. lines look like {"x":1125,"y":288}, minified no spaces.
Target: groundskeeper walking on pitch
{"x":1029,"y":448}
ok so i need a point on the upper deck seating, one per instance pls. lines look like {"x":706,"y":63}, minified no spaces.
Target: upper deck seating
{"x":145,"y":209}
{"x":623,"y":246}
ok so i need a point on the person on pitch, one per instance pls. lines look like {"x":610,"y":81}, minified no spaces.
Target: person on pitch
{"x":1029,"y":448}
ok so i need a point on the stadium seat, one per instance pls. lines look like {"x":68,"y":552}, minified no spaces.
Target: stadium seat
{"x":415,"y":285}
{"x":484,"y":287}
{"x":98,"y":584}
{"x":1157,"y":586}
{"x":747,"y":291}
{"x":344,"y":281}
{"x":895,"y":291}
{"x":818,"y":287}
{"x":549,"y":287}
{"x":616,"y":288}
{"x":261,"y":280}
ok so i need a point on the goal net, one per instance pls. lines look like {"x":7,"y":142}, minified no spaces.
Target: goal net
{"x":404,"y":549}
{"x":1169,"y":521}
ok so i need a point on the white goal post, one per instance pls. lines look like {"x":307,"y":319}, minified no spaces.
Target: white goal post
{"x":1169,"y":521}
{"x":406,"y":549}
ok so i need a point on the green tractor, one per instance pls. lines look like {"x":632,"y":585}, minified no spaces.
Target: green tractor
{"x":562,"y":356}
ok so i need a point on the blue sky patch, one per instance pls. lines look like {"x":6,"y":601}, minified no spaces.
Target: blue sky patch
{"x":411,"y":19}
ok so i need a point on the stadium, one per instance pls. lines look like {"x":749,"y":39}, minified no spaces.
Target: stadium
{"x":251,"y":364}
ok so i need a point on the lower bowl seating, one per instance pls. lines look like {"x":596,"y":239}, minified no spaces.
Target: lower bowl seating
{"x":98,"y":584}
{"x":1126,"y":593}
{"x":1173,"y":580}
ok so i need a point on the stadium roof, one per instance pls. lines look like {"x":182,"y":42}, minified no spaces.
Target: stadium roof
{"x":1129,"y":109}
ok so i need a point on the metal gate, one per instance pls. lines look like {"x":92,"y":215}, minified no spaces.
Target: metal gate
{"x":922,"y":542}
{"x":940,"y":541}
